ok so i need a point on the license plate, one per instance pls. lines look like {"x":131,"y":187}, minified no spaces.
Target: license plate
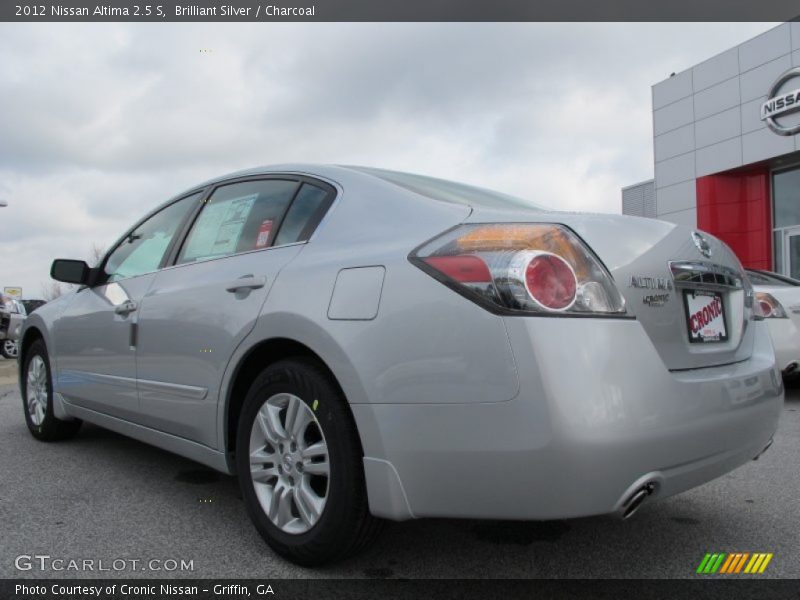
{"x":705,"y":316}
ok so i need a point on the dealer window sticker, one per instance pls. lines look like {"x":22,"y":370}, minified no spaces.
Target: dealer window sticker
{"x":262,"y":239}
{"x":219,"y":228}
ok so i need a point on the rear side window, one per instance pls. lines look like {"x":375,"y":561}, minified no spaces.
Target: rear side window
{"x":761,"y":278}
{"x":305,"y":213}
{"x":238,"y":217}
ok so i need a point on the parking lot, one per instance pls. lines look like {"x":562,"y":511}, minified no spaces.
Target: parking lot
{"x":103,"y":496}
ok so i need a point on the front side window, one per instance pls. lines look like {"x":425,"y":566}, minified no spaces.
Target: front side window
{"x":144,"y":248}
{"x":238,"y":217}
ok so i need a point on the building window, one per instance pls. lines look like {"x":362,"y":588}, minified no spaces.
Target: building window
{"x":786,"y":220}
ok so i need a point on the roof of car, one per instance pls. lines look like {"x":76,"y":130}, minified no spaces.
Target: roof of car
{"x":424,"y":185}
{"x":317,"y":170}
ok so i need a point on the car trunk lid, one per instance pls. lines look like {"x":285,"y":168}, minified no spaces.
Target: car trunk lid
{"x":688,"y":292}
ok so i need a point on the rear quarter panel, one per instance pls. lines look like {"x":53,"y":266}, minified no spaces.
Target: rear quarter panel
{"x":426,"y":344}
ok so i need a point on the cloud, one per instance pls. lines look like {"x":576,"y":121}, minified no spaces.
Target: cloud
{"x":101,"y":122}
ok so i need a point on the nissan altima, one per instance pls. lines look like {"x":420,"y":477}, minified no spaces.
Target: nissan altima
{"x":358,"y":344}
{"x":779,"y":299}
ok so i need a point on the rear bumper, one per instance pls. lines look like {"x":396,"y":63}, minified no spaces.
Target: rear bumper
{"x":597,"y":416}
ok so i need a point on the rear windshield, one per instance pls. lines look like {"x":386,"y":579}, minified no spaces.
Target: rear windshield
{"x":449,"y":191}
{"x":762,"y":278}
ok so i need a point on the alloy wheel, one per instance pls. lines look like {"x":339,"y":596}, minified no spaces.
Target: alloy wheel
{"x":36,"y":390}
{"x":289,"y":463}
{"x":10,"y":348}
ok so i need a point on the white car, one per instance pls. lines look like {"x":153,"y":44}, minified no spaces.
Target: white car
{"x":779,"y":299}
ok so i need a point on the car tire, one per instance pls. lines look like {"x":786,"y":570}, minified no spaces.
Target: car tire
{"x":37,"y":385}
{"x":9,"y":349}
{"x":343,"y":525}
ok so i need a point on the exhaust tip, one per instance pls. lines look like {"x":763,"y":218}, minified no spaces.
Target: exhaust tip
{"x":636,"y":499}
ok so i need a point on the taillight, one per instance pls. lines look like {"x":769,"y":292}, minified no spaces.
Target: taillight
{"x":522,"y":268}
{"x":550,"y":281}
{"x":767,"y":307}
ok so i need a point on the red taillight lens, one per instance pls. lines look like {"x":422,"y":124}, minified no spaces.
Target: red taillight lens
{"x":461,"y":268}
{"x":551,"y":282}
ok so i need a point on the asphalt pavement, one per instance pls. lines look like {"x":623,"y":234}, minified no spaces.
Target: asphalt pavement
{"x":104,"y":497}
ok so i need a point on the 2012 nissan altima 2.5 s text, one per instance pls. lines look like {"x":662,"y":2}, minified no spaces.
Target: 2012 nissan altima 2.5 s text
{"x":358,"y":345}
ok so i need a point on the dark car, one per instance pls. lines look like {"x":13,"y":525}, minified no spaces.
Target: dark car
{"x":32,"y":305}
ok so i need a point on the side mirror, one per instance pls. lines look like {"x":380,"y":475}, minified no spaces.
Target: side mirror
{"x":71,"y":271}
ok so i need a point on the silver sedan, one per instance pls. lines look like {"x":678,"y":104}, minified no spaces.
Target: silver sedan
{"x":358,"y":344}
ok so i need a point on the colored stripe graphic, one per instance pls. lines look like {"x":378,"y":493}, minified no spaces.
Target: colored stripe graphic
{"x":741,"y":562}
{"x":703,"y":563}
{"x":751,"y":565}
{"x":718,"y":564}
{"x":722,"y":563}
{"x":757,"y":563}
{"x":765,"y":563}
{"x":727,"y":565}
{"x":710,"y":566}
{"x":711,"y":563}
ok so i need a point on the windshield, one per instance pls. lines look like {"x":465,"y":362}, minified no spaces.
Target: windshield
{"x":449,"y":191}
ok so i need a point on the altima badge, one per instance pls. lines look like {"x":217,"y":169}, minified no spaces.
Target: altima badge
{"x":702,"y":244}
{"x":649,"y":283}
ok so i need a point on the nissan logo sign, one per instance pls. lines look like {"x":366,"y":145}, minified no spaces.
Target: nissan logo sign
{"x":783,"y":100}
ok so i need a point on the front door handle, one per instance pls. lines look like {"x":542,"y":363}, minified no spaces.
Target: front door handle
{"x":125,"y":308}
{"x":246,"y":282}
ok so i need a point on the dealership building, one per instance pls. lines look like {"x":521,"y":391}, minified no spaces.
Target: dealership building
{"x":726,"y":137}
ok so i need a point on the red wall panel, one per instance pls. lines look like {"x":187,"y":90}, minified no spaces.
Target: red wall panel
{"x":735,"y":206}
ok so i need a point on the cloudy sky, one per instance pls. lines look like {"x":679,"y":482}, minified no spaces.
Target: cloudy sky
{"x":101,"y":122}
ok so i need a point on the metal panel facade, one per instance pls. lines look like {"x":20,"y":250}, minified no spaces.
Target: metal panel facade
{"x":719,"y":102}
{"x":713,"y":151}
{"x":639,"y":199}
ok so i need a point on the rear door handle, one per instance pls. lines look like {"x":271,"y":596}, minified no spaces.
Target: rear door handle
{"x":246,"y":282}
{"x":126,"y":308}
